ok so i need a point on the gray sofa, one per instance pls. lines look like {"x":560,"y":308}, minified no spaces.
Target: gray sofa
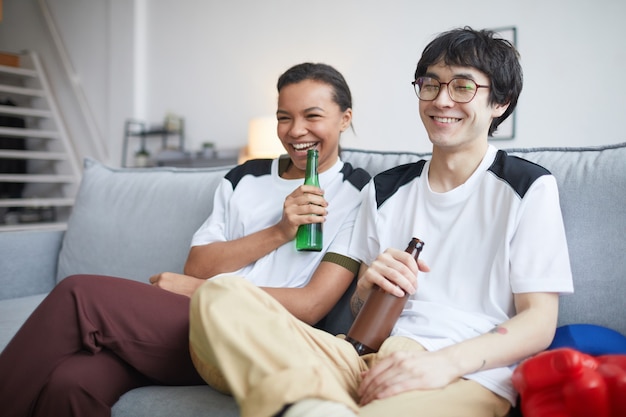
{"x":133,"y":223}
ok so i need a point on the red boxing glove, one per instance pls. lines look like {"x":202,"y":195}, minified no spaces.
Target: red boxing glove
{"x":568,"y":383}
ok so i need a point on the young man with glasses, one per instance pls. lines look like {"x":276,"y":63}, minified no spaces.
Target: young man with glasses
{"x":494,"y":262}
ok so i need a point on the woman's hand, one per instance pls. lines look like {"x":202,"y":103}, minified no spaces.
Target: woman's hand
{"x":306,"y":204}
{"x":407,"y":370}
{"x":176,"y":283}
{"x":208,"y":260}
{"x":395,"y":271}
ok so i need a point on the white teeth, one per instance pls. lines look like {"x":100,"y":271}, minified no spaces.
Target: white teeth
{"x":302,"y":146}
{"x":445,"y":119}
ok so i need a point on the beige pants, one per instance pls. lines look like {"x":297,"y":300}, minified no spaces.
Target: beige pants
{"x":271,"y":359}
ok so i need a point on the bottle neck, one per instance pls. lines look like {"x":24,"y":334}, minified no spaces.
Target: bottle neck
{"x":415,"y":248}
{"x":311,"y":168}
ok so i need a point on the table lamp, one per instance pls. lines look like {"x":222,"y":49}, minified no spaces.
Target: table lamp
{"x":263,"y":141}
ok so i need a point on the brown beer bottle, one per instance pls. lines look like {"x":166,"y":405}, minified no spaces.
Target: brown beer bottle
{"x":379,"y":313}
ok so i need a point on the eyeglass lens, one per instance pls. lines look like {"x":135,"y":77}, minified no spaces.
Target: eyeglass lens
{"x":461,"y":90}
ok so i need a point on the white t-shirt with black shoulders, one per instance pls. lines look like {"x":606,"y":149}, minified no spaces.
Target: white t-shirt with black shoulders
{"x":499,"y":233}
{"x":251,"y":197}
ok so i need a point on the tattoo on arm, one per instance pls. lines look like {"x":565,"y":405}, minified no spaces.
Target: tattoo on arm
{"x":496,"y":330}
{"x":356,"y":303}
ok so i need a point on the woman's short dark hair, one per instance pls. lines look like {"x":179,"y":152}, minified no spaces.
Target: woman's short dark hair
{"x":319,"y":72}
{"x":495,"y":57}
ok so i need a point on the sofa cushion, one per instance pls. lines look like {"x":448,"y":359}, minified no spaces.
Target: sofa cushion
{"x":13,"y":313}
{"x":156,"y":211}
{"x":590,"y":339}
{"x":29,"y":262}
{"x":191,"y":401}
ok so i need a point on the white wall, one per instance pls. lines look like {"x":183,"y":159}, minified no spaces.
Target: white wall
{"x":23,"y":28}
{"x":216,"y":63}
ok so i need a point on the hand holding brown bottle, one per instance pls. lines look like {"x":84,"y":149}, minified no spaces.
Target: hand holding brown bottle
{"x":387,"y":296}
{"x":395,"y":271}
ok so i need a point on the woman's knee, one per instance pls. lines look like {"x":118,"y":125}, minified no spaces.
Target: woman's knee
{"x":91,"y":382}
{"x":66,"y":380}
{"x":79,"y":281}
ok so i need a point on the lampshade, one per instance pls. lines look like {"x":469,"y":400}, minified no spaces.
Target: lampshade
{"x":263,"y":141}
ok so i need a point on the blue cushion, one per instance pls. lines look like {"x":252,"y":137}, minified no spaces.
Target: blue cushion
{"x":591,"y":339}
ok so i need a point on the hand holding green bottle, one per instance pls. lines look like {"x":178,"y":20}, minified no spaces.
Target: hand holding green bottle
{"x":309,"y":236}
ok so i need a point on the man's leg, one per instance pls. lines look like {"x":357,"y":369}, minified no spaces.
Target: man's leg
{"x":144,"y":327}
{"x":464,"y":398}
{"x":269,"y":358}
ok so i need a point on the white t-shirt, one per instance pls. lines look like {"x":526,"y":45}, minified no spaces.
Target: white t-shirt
{"x":499,"y":233}
{"x":251,"y":198}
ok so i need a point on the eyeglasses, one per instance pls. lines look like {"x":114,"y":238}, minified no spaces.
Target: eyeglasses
{"x":460,"y":90}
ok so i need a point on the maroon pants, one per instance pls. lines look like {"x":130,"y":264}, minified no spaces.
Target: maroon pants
{"x":91,"y":340}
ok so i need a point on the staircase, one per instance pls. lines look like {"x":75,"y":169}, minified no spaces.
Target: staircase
{"x":39,"y":173}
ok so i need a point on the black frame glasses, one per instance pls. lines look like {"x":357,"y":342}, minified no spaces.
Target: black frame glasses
{"x":460,"y":90}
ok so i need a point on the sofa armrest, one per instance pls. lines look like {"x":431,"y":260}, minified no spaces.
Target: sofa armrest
{"x":28,"y":263}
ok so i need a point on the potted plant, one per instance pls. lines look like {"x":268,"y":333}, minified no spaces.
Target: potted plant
{"x":208,"y":150}
{"x":142,"y":158}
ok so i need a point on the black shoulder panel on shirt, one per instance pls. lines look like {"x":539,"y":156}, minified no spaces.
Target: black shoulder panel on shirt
{"x":390,"y":181}
{"x":358,"y":177}
{"x":255,"y":167}
{"x":519,"y":173}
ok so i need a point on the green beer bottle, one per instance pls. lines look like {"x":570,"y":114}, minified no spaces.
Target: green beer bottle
{"x":309,"y":236}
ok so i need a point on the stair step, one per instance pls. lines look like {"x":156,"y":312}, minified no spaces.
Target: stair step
{"x":55,"y":173}
{"x":25,"y":111}
{"x":37,"y":178}
{"x":31,"y":133}
{"x":22,"y":91}
{"x":41,"y":155}
{"x":34,"y":226}
{"x":36,"y":202}
{"x":22,"y":72}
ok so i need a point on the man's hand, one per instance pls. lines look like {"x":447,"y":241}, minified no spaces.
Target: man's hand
{"x":176,"y":283}
{"x":395,"y":271}
{"x":404,"y":371}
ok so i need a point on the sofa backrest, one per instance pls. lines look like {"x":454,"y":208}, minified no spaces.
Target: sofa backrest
{"x":134,"y":223}
{"x":592,"y":191}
